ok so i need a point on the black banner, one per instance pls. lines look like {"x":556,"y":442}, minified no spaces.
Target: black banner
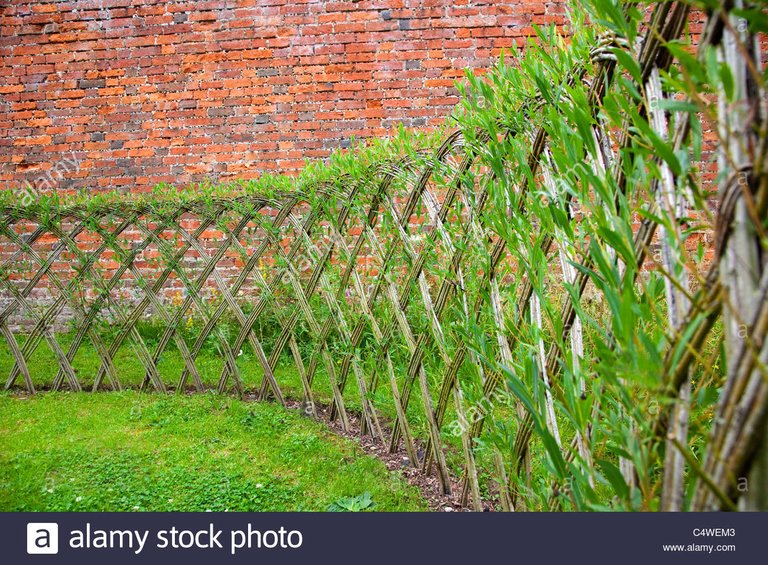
{"x":466,"y":538}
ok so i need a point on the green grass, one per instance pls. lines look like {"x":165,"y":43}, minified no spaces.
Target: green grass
{"x":124,"y":451}
{"x":43,"y":366}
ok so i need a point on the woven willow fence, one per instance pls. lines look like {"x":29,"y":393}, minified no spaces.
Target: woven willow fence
{"x":417,"y":293}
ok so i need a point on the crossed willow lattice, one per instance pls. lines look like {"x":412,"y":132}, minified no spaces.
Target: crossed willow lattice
{"x":375,"y":273}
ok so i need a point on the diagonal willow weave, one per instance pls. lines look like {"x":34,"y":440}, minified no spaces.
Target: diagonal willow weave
{"x":367,"y":282}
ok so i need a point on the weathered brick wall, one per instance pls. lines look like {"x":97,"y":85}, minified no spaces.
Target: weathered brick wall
{"x":124,"y":94}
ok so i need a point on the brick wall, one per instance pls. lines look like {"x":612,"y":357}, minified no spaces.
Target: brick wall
{"x":124,"y":94}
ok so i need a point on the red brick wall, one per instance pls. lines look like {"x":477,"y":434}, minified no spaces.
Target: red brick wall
{"x":124,"y":94}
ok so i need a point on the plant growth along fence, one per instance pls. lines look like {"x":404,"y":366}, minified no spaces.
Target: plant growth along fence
{"x":561,"y":304}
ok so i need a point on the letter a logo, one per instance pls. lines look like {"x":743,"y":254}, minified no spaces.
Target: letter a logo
{"x":42,"y":538}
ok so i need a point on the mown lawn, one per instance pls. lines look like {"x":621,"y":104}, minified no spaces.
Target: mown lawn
{"x":132,"y":451}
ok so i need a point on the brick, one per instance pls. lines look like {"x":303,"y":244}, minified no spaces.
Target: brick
{"x":188,"y":90}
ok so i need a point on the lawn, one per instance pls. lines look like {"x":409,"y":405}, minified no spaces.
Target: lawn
{"x":132,"y":451}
